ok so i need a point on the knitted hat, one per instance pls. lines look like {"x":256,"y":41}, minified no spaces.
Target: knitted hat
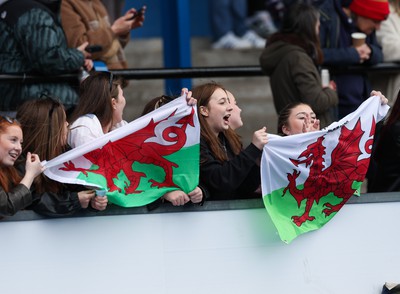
{"x":374,"y":9}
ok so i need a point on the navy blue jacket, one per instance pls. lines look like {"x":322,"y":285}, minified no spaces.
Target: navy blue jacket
{"x":335,"y":37}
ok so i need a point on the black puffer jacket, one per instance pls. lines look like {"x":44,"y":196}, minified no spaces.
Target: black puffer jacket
{"x":32,"y":42}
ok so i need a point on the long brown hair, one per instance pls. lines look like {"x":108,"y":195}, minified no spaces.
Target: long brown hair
{"x":9,"y":176}
{"x":203,"y":93}
{"x":43,"y":122}
{"x":299,"y":28}
{"x":95,"y":96}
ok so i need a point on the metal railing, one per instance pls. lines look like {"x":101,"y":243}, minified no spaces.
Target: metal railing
{"x":199,"y":72}
{"x":194,"y":72}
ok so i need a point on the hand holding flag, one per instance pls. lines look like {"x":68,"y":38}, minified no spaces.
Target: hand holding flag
{"x":306,"y":178}
{"x":141,"y":161}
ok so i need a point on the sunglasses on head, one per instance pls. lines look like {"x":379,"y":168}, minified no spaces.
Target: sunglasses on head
{"x":110,"y":78}
{"x":8,"y":119}
{"x":110,"y":81}
{"x":55,"y":102}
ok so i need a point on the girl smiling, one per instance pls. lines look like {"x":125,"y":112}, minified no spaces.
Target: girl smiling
{"x":14,"y":191}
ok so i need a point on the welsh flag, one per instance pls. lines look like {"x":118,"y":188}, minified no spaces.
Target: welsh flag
{"x":139,"y":162}
{"x":307,"y":178}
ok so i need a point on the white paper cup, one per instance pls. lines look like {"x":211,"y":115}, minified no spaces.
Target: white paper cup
{"x":358,"y":39}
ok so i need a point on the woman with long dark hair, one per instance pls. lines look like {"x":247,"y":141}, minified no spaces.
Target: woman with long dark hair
{"x":291,"y":59}
{"x":99,"y":110}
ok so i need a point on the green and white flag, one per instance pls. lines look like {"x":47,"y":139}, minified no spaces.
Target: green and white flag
{"x":307,"y":178}
{"x":139,"y":162}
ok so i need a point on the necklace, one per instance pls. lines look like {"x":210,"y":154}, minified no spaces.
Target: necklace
{"x":223,"y":144}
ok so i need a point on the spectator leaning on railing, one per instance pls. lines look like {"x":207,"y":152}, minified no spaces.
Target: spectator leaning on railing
{"x":32,"y":42}
{"x":339,"y":19}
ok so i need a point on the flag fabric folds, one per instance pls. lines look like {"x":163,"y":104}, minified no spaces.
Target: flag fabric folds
{"x":307,"y":178}
{"x":139,"y":162}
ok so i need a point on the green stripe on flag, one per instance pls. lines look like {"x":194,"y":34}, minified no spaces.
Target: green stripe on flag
{"x":186,"y":176}
{"x":282,"y":208}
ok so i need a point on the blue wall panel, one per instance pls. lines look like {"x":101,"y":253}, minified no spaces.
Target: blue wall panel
{"x":199,"y":21}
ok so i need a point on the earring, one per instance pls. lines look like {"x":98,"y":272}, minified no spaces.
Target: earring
{"x":203,"y":111}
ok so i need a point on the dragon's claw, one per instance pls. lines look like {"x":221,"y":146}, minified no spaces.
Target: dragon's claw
{"x":299,"y":220}
{"x":331,"y":208}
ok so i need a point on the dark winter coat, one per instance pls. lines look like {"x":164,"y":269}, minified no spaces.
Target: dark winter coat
{"x":295,"y":78}
{"x":387,"y":159}
{"x":32,"y":42}
{"x":236,"y":178}
{"x":335,"y":37}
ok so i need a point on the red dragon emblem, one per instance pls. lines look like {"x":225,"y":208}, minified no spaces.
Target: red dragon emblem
{"x":345,"y":168}
{"x":121,"y":154}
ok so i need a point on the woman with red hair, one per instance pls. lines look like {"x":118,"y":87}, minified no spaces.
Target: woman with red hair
{"x":14,"y":190}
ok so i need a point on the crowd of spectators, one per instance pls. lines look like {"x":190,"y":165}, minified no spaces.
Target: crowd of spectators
{"x":52,"y":37}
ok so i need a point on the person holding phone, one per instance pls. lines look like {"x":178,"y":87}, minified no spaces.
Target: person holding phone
{"x":89,"y":21}
{"x":114,"y":8}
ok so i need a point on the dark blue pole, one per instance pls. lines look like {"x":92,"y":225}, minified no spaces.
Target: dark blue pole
{"x":176,"y":41}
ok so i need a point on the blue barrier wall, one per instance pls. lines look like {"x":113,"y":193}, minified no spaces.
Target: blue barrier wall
{"x":199,"y":20}
{"x":175,"y":21}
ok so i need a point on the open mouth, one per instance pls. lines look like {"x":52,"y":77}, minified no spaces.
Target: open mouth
{"x":226,"y":118}
{"x":14,"y":155}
